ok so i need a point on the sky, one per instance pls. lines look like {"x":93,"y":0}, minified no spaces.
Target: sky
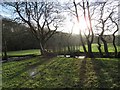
{"x":68,"y":24}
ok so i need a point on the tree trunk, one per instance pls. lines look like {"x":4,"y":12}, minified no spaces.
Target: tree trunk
{"x":114,"y":36}
{"x":99,"y":47}
{"x":114,"y":45}
{"x":83,"y":45}
{"x":90,"y":54}
{"x":68,"y":48}
{"x":42,"y":50}
{"x":105,"y":47}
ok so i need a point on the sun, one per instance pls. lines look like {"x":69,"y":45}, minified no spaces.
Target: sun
{"x":80,"y":26}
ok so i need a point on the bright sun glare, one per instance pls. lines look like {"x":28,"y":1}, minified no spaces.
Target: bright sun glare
{"x":80,"y":26}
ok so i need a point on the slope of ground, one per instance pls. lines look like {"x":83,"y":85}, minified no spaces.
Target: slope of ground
{"x":61,"y":73}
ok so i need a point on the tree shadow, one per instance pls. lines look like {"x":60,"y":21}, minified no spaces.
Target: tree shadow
{"x":28,"y":67}
{"x":103,"y":74}
{"x":82,"y":73}
{"x":39,"y":72}
{"x":97,"y":66}
{"x":21,"y":64}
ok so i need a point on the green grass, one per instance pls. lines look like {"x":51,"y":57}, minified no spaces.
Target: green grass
{"x":24,"y":52}
{"x":37,"y":51}
{"x":61,"y":73}
{"x":95,"y":49}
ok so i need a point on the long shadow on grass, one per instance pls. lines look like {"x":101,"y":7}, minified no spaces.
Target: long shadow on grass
{"x":29,"y":67}
{"x":82,"y":73}
{"x":98,"y":65}
{"x":103,"y":73}
{"x":20,"y":64}
{"x":22,"y":83}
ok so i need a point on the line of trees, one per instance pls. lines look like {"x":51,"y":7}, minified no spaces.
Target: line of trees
{"x":44,"y":18}
{"x":105,"y":19}
{"x":18,"y":37}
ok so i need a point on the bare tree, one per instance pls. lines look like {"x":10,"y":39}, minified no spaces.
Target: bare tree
{"x":87,"y":17}
{"x":104,"y":24}
{"x":90,"y":36}
{"x":117,"y":28}
{"x":43,"y":18}
{"x":81,"y":38}
{"x":89,"y":13}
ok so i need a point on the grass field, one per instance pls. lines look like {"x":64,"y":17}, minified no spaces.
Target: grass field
{"x":24,"y":52}
{"x":57,"y":72}
{"x":37,"y":51}
{"x":95,"y":48}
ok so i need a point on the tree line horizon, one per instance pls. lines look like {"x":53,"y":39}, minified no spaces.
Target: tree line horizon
{"x":40,"y":16}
